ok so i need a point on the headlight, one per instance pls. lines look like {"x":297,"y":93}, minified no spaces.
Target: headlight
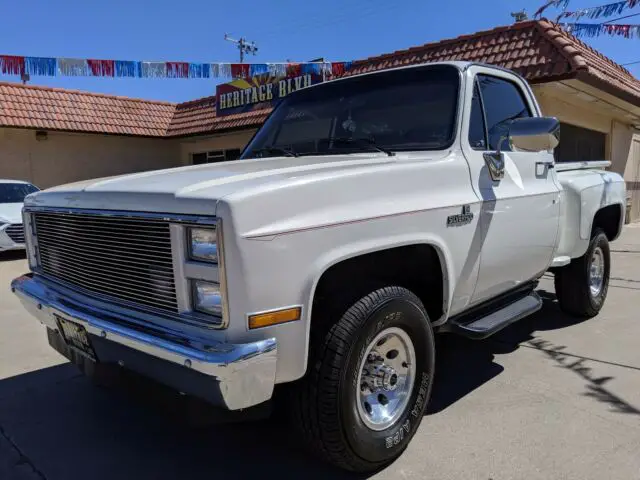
{"x":203,"y":244}
{"x":207,"y":297}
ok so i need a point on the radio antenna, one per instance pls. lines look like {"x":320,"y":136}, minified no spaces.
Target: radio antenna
{"x":243,"y":45}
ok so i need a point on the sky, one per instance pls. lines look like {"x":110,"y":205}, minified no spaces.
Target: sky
{"x":295,"y":30}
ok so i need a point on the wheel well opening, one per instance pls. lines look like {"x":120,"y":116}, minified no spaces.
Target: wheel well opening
{"x":608,"y":219}
{"x":414,"y":267}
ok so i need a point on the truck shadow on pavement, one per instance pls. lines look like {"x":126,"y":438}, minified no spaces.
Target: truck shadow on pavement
{"x":468,"y":364}
{"x":60,"y":424}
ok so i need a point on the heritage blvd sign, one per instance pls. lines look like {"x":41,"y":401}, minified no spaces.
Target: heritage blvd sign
{"x":245,"y":95}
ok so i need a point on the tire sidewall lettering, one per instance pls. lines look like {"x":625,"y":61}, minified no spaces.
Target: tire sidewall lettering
{"x":386,"y":443}
{"x":416,"y":412}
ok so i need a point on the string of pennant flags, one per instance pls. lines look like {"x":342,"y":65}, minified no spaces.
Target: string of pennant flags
{"x":580,"y":29}
{"x":602,"y":11}
{"x":591,"y":12}
{"x":74,"y":67}
{"x":597,"y":29}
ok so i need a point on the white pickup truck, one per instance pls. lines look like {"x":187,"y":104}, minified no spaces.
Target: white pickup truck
{"x":366,"y":215}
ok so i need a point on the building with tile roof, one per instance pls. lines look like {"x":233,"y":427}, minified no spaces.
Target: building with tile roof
{"x":84,"y":135}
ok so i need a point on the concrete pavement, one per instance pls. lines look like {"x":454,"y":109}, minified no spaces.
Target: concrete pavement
{"x":548,"y":398}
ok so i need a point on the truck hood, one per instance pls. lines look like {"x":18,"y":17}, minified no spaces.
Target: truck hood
{"x":10,"y":213}
{"x":182,"y":189}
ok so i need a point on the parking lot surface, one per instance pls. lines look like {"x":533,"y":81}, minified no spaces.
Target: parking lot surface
{"x":548,"y":398}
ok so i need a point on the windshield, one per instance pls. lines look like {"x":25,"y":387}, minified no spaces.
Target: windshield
{"x":407,"y":109}
{"x":15,"y":192}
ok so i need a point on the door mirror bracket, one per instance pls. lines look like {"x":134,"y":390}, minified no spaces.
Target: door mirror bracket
{"x":530,"y":134}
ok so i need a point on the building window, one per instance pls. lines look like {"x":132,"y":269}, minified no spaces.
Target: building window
{"x":579,"y":144}
{"x":215,"y":156}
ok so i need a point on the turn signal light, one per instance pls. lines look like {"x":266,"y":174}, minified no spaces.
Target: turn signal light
{"x":268,"y":319}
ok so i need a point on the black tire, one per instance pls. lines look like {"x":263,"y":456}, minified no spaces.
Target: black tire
{"x":325,"y":403}
{"x":572,"y":282}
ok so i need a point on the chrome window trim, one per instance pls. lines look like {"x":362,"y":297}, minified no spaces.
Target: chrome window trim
{"x":181,"y":272}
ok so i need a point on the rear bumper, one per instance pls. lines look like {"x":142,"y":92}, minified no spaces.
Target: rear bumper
{"x":233,"y":376}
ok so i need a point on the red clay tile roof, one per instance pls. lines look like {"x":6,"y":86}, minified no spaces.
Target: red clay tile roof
{"x":540,"y":51}
{"x":199,"y":116}
{"x":70,"y":110}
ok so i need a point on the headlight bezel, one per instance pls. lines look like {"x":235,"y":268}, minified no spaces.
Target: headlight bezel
{"x":213,"y":272}
{"x":195,"y":257}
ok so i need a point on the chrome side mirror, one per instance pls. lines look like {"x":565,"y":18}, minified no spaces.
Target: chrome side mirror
{"x":534,"y":134}
{"x":530,"y":134}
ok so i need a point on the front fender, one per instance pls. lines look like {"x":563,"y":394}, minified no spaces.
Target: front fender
{"x":362,"y":247}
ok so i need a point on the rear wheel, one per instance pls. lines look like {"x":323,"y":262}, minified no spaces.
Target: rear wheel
{"x":369,"y":381}
{"x":582,"y":286}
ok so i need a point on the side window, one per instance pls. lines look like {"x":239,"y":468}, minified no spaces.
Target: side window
{"x":477,"y":127}
{"x":503,"y":101}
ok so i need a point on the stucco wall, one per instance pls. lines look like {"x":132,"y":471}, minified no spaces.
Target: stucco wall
{"x":219,"y":142}
{"x":68,"y":157}
{"x":580,"y":115}
{"x":632,"y":178}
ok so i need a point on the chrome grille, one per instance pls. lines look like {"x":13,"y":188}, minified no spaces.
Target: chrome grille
{"x":125,"y":258}
{"x":15,"y":232}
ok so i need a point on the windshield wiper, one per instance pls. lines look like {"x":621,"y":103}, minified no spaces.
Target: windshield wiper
{"x":361,"y":141}
{"x":284,"y":151}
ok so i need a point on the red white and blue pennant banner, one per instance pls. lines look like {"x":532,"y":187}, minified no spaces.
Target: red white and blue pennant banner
{"x":74,"y":67}
{"x":597,"y":29}
{"x":602,"y":11}
{"x":593,"y":12}
{"x":551,"y":3}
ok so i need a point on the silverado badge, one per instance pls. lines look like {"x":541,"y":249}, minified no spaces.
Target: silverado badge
{"x":462,"y":218}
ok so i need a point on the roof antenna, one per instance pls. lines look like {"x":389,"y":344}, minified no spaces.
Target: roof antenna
{"x":520,"y":16}
{"x":243,"y":45}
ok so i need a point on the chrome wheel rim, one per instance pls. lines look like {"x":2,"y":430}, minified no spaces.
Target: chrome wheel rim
{"x":596,"y":272}
{"x":386,"y":377}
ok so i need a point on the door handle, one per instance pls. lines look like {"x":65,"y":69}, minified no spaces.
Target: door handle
{"x":549,"y":164}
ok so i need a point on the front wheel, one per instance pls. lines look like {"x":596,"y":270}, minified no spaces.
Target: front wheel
{"x":582,"y":286}
{"x":369,"y":382}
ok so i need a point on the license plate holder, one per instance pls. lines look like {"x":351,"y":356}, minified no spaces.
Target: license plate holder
{"x":75,"y":336}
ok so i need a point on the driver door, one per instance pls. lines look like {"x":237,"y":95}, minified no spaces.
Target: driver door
{"x":520,"y":212}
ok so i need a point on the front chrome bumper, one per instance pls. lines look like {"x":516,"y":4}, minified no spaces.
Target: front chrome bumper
{"x":244,"y":373}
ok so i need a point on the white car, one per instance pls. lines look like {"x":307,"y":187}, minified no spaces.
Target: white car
{"x":366,"y":215}
{"x":12,"y":194}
